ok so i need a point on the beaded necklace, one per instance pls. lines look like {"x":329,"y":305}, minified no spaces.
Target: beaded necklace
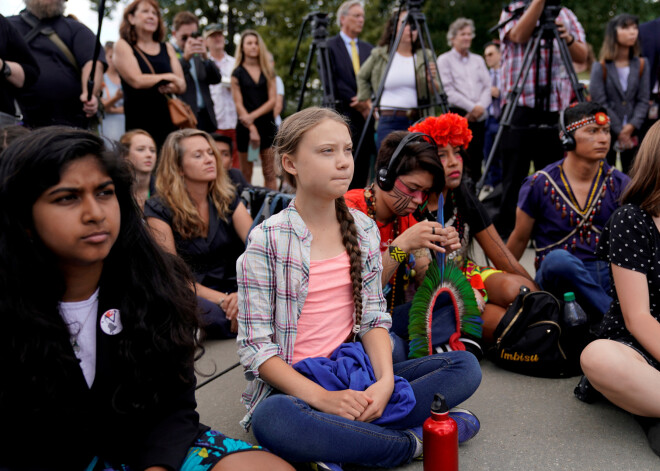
{"x":370,"y":199}
{"x":570,"y":192}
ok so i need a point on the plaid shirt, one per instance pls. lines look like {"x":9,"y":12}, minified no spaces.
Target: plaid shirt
{"x":512,"y":60}
{"x":273,"y":278}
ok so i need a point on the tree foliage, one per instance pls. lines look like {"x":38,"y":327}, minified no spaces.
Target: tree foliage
{"x":279,"y":22}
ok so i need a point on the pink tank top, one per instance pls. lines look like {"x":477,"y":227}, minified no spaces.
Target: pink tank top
{"x":327,"y":315}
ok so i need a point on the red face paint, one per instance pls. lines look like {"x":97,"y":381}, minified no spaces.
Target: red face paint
{"x":420,"y":195}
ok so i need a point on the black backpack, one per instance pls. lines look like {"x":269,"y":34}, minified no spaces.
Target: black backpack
{"x":529,"y":338}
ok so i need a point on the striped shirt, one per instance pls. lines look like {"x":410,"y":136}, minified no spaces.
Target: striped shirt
{"x":273,"y":278}
{"x":512,"y":60}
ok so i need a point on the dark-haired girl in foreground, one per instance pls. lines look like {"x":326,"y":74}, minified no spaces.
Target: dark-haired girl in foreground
{"x":98,"y":334}
{"x":624,"y":363}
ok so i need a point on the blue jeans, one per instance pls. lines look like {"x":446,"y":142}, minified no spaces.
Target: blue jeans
{"x":387,"y":124}
{"x":562,"y":271}
{"x":290,"y":428}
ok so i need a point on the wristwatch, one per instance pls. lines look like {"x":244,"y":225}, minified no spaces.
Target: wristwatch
{"x":6,"y":70}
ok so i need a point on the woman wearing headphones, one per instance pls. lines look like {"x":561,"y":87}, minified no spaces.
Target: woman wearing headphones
{"x":407,"y":170}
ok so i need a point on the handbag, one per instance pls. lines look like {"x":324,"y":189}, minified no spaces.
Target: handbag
{"x":529,"y":338}
{"x":181,"y":114}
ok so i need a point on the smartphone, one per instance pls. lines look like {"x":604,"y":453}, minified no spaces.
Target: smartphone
{"x":162,"y":82}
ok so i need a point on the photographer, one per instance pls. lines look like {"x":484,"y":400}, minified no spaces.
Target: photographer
{"x":198,"y":69}
{"x":533,"y":125}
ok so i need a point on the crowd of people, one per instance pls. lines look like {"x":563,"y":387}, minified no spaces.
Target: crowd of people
{"x":138,"y":237}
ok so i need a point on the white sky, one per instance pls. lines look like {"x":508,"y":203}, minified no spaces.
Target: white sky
{"x":80,"y":8}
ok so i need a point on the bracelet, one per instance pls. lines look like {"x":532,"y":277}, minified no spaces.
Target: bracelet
{"x":222,"y":301}
{"x":397,"y":254}
{"x":570,"y":43}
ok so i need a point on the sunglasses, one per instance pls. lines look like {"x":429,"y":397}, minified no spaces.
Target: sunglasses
{"x":194,"y":35}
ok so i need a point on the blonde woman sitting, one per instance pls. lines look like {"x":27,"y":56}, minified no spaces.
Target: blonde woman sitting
{"x":198,"y":215}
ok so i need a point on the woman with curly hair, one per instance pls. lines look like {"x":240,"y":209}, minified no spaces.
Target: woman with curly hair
{"x":99,"y":339}
{"x":198,"y":215}
{"x":498,"y":286}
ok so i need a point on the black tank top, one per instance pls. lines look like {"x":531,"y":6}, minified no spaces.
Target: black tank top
{"x":147,"y":108}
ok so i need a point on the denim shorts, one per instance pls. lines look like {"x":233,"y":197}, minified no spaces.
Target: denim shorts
{"x":209,"y":448}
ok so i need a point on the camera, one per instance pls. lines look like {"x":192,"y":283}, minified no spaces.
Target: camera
{"x":195,"y":35}
{"x":551,"y":11}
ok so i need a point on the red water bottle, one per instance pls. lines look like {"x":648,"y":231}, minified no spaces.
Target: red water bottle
{"x":440,"y":438}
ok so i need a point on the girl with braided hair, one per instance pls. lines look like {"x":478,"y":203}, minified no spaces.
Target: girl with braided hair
{"x":309,"y":283}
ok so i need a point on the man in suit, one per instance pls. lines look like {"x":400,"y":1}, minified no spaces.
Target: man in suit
{"x":347,"y":53}
{"x":198,"y":69}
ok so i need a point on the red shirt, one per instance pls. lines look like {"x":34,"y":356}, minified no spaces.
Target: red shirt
{"x":355,"y":199}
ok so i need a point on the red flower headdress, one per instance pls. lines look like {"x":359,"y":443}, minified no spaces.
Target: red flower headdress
{"x":446,"y":129}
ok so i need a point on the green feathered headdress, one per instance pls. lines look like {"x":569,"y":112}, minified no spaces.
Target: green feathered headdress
{"x":444,"y":287}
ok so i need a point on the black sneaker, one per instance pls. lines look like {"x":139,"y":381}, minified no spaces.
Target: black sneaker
{"x":651,"y":427}
{"x":585,"y":392}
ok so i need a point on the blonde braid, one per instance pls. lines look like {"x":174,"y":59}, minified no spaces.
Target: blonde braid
{"x":350,"y":240}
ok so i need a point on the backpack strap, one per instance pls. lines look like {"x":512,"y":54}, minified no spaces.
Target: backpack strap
{"x":604,"y":70}
{"x":38,"y":28}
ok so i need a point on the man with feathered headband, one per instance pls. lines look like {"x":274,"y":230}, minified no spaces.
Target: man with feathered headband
{"x":496,"y":287}
{"x":564,"y":207}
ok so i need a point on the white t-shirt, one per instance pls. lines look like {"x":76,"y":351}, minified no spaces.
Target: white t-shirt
{"x":80,"y":317}
{"x":400,"y":85}
{"x":623,"y":73}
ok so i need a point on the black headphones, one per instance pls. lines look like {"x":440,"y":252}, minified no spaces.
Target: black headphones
{"x":567,"y":140}
{"x":387,"y":175}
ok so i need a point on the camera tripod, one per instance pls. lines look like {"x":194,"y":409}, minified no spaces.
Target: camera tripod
{"x":319,"y":45}
{"x":417,"y":21}
{"x":543,"y":37}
